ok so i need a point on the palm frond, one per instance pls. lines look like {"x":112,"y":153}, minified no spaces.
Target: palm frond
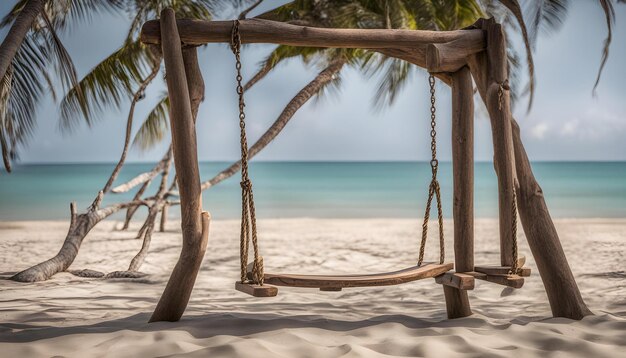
{"x":156,"y":125}
{"x":22,"y":88}
{"x":107,"y":84}
{"x":61,"y":59}
{"x":609,"y":13}
{"x":65,"y":12}
{"x":516,"y":10}
{"x":144,"y":10}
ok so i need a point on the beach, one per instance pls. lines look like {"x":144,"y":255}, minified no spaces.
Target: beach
{"x":68,"y":316}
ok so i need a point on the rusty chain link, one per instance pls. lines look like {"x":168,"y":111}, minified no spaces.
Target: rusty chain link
{"x":434,"y":188}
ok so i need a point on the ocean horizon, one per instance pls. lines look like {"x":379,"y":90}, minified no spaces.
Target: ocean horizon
{"x":319,"y":189}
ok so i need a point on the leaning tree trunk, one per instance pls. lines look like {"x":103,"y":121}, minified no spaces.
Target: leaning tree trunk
{"x":302,"y":97}
{"x":543,"y":239}
{"x":154,"y":209}
{"x":23,"y":22}
{"x":129,"y":122}
{"x":183,"y":85}
{"x":80,"y":225}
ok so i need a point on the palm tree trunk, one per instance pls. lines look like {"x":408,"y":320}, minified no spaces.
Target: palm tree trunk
{"x":6,"y":151}
{"x":80,"y":225}
{"x":258,"y":76}
{"x":129,"y":123}
{"x":302,"y":97}
{"x":17,"y":33}
{"x":148,"y":227}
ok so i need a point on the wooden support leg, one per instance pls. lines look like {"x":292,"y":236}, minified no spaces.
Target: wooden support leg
{"x":193,"y":221}
{"x":563,"y":294}
{"x":457,"y":302}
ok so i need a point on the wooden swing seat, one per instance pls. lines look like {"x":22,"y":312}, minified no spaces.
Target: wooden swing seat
{"x":338,"y":282}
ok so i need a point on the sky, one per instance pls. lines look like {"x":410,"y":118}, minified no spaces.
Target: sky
{"x":565,"y":123}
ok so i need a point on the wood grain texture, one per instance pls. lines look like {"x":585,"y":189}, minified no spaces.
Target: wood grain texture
{"x":561,"y":288}
{"x":457,"y":302}
{"x":409,"y":45}
{"x":563,"y":293}
{"x":463,"y":169}
{"x":256,"y":290}
{"x":194,"y":223}
{"x":200,"y":32}
{"x":457,"y":280}
{"x":502,"y":270}
{"x":500,"y":116}
{"x":463,"y":195}
{"x":514,"y":281}
{"x":343,"y":281}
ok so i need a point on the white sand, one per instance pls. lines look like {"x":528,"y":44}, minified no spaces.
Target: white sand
{"x":75,"y":317}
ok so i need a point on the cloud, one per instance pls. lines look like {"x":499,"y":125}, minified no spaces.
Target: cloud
{"x":539,"y":130}
{"x":595,"y":123}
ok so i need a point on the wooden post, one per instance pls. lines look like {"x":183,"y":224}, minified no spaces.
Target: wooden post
{"x":563,"y":294}
{"x":498,"y":106}
{"x":195,"y":223}
{"x":457,"y":302}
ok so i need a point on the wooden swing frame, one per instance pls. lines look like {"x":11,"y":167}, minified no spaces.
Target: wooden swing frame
{"x":455,"y":57}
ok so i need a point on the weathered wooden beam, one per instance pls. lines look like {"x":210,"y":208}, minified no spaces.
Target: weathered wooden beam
{"x":457,"y":280}
{"x":543,"y":239}
{"x":446,"y":57}
{"x":513,"y":281}
{"x":463,"y":169}
{"x":457,"y":302}
{"x":194,"y":222}
{"x":497,"y":99}
{"x":463,"y":180}
{"x":502,"y":270}
{"x":200,"y":32}
{"x":251,"y":289}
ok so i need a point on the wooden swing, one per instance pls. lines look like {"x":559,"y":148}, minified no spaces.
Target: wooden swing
{"x":467,"y":60}
{"x":254,"y":281}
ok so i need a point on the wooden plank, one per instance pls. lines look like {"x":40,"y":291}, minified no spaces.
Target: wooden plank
{"x":457,"y":280}
{"x":502,"y":270}
{"x":343,"y":281}
{"x":264,"y":290}
{"x":331,"y":289}
{"x":513,"y":281}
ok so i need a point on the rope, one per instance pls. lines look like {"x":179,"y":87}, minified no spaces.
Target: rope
{"x":248,"y":215}
{"x":504,"y":86}
{"x":514,"y":268}
{"x":434,"y":188}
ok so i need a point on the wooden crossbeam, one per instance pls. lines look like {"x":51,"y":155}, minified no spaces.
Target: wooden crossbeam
{"x":513,"y":281}
{"x":502,"y":270}
{"x":438,"y":51}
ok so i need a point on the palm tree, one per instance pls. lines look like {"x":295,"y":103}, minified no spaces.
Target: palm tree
{"x":127,"y":72}
{"x":414,"y":15}
{"x":30,"y":48}
{"x":410,"y":14}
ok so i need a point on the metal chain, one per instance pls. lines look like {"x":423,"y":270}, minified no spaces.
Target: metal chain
{"x":434,"y":188}
{"x":248,"y":215}
{"x":504,"y":86}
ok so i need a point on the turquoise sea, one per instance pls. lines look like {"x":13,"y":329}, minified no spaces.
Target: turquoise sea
{"x":321,"y":189}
